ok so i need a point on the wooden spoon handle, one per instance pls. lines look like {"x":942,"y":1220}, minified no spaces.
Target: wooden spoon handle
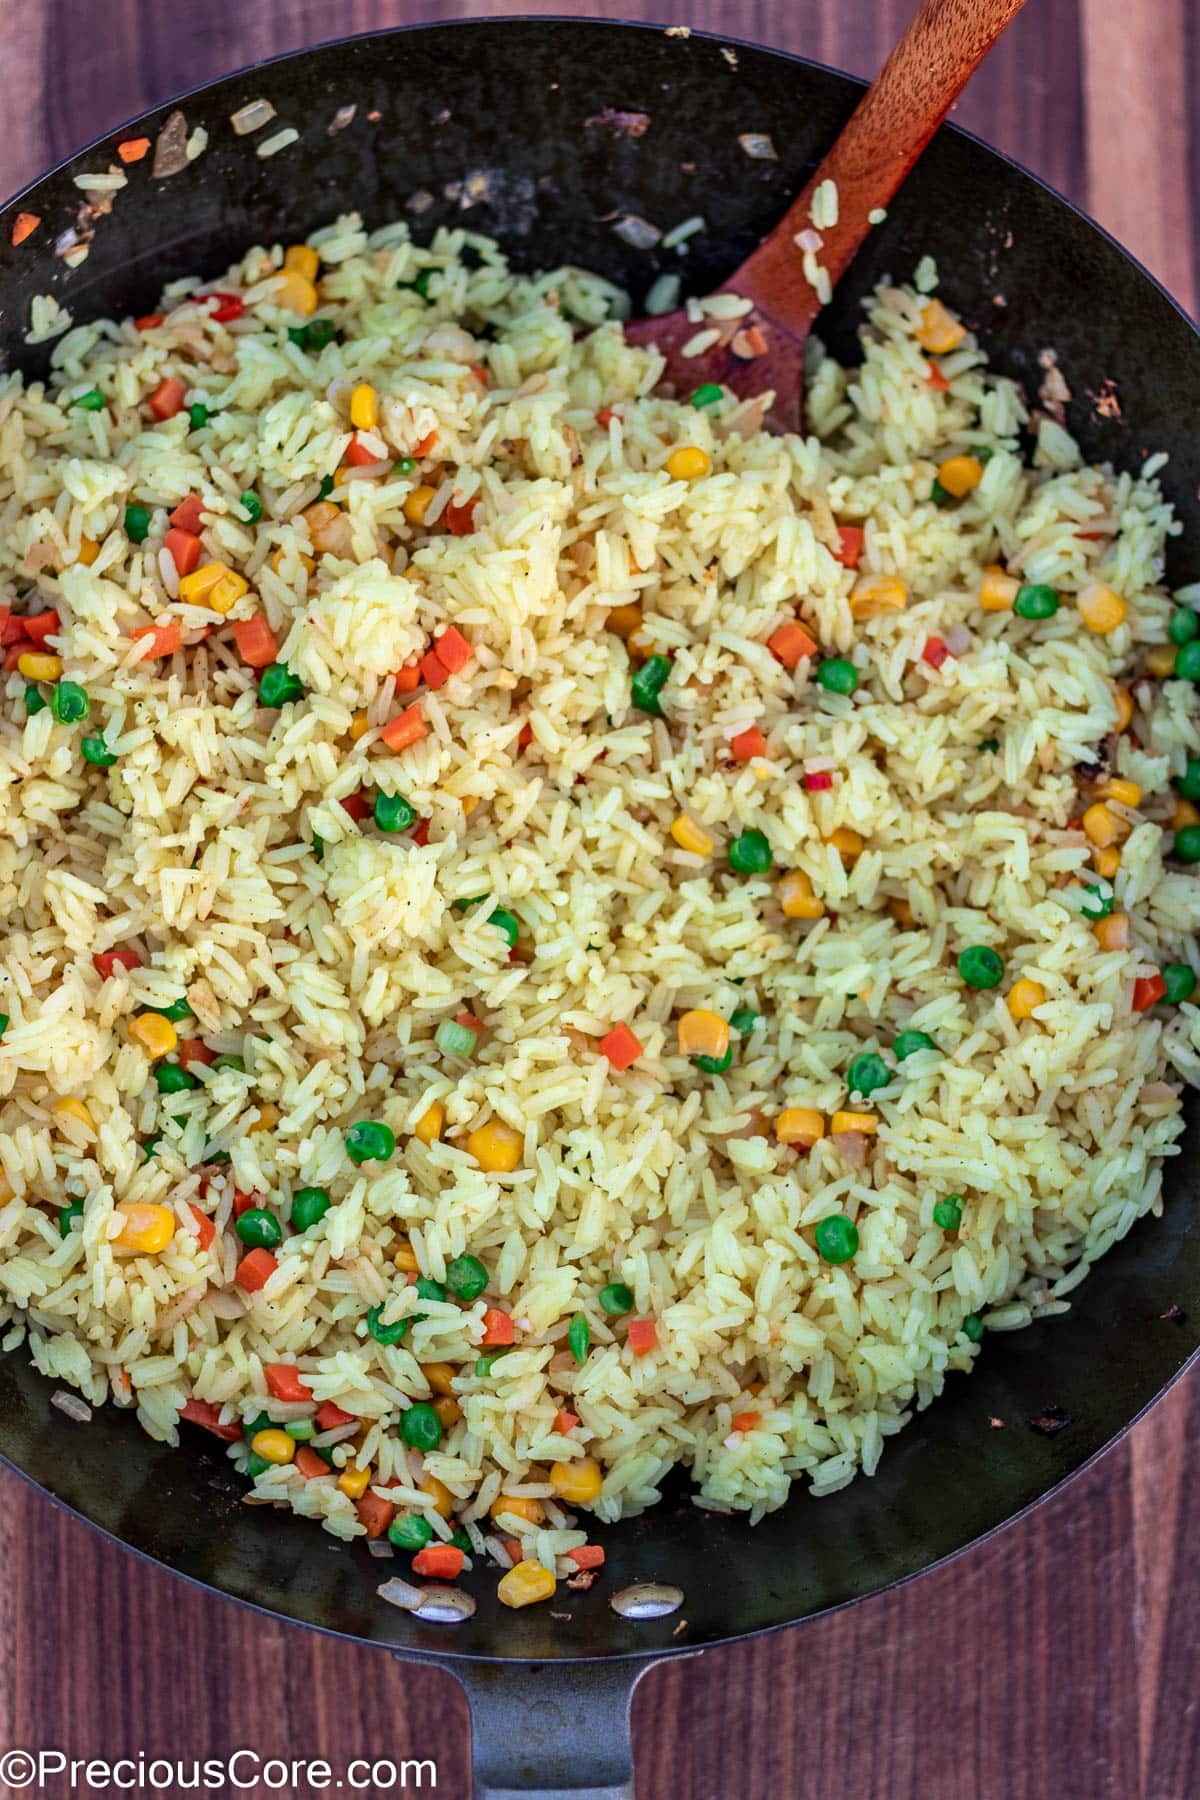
{"x":940,"y":51}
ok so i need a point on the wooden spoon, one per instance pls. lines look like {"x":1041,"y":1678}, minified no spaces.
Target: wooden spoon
{"x":893,"y":122}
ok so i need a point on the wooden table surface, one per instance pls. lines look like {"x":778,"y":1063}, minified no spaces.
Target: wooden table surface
{"x":1057,"y":1660}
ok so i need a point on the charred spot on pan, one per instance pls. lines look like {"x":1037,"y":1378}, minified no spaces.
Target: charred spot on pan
{"x":621,"y":124}
{"x":1050,"y":1421}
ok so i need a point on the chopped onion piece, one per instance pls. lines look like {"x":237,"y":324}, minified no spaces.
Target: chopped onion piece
{"x":401,"y":1593}
{"x":170,"y":148}
{"x":637,"y":231}
{"x":851,"y":1146}
{"x":251,"y":117}
{"x":342,"y":117}
{"x":759,"y":146}
{"x":956,"y":638}
{"x":72,"y":1405}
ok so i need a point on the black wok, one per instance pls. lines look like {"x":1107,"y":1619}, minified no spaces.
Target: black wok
{"x":523,"y":104}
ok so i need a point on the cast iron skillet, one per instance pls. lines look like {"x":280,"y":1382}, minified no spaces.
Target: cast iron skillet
{"x":503,"y":125}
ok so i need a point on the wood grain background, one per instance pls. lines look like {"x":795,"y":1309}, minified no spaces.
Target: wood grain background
{"x":1056,"y":1661}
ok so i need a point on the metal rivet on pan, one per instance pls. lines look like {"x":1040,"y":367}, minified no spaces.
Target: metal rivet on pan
{"x":444,"y":1606}
{"x":647,"y":1600}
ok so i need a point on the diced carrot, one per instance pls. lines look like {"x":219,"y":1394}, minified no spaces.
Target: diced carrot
{"x":791,"y":644}
{"x":286,"y":1382}
{"x":442,"y":1560}
{"x":167,"y":398}
{"x":185,"y":550}
{"x":481,"y":374}
{"x":935,"y":652}
{"x":148,"y":321}
{"x":469,"y":1022}
{"x":497,"y":1327}
{"x":206,"y":1231}
{"x":748,"y":744}
{"x":818,"y":781}
{"x":850,"y":543}
{"x":227,"y":307}
{"x":254,"y":1271}
{"x":164,"y":640}
{"x":330,"y":1417}
{"x":434,"y":672}
{"x":460,"y":517}
{"x":357,"y":805}
{"x":107,"y":961}
{"x":243,"y":1203}
{"x":357,"y":453}
{"x":747,"y":1421}
{"x":1147,"y":991}
{"x":453,"y":649}
{"x":133,"y":149}
{"x":643,"y":1336}
{"x":408,"y":728}
{"x":24,"y":225}
{"x":40,"y":626}
{"x":200,"y":1412}
{"x":621,"y":1047}
{"x":513,"y":1546}
{"x":407,"y":678}
{"x":376,"y":1514}
{"x":936,"y":380}
{"x":606,"y":415}
{"x":7,"y":623}
{"x":426,"y":444}
{"x":419,"y":835}
{"x":195,"y":1050}
{"x":524,"y":737}
{"x":310,"y":1463}
{"x":565,"y":1422}
{"x":186,"y":516}
{"x":13,"y":655}
{"x":255,"y":641}
{"x":587,"y":1556}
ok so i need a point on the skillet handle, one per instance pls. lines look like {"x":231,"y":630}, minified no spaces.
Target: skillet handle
{"x":550,"y":1731}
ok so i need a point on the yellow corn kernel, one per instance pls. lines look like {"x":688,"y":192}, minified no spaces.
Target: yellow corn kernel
{"x":227,"y":592}
{"x":295,"y":292}
{"x":278,"y":557}
{"x":405,"y":1259}
{"x":998,"y":589}
{"x":440,"y":1377}
{"x":89,"y":550}
{"x":796,"y":897}
{"x":144,"y":1228}
{"x":847,"y":842}
{"x":875,"y":594}
{"x":939,"y":331}
{"x":355,"y":1481}
{"x":703,"y":1033}
{"x":6,"y":1189}
{"x":78,"y":1113}
{"x":579,"y":1482}
{"x":496,"y":1147}
{"x":364,"y":407}
{"x":1161,"y":660}
{"x":1106,"y":862}
{"x":468,"y":803}
{"x":526,"y":1583}
{"x":359,"y":726}
{"x":1183,"y":814}
{"x":441,"y":1500}
{"x":689,"y":837}
{"x":1100,"y":609}
{"x":268,"y":1118}
{"x":39,"y":665}
{"x":799,"y":1125}
{"x":196,"y":587}
{"x":1100,"y":826}
{"x":418,"y":503}
{"x":1112,"y":933}
{"x":688,"y":463}
{"x":521,"y":1508}
{"x":448,"y":1410}
{"x":1125,"y":793}
{"x":960,"y":475}
{"x":304,"y":259}
{"x":867,"y":1123}
{"x":1123,"y":701}
{"x":429,"y":1126}
{"x":902,"y":912}
{"x":1023,"y":996}
{"x":156,"y":1035}
{"x":272,"y":1445}
{"x":623,"y":621}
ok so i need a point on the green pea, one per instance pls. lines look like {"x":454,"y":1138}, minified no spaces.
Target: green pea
{"x":866,"y":1073}
{"x":178,"y":1009}
{"x":1187,"y":662}
{"x":137,"y":522}
{"x":715,"y":1065}
{"x":1037,"y":601}
{"x":68,"y":1216}
{"x":259,"y":1229}
{"x":34,"y":702}
{"x":410,"y":1533}
{"x":3,"y":1023}
{"x":92,"y":401}
{"x":973,"y":1327}
{"x":909,"y":1042}
{"x":318,"y":333}
{"x":648,"y":683}
{"x":251,"y":504}
{"x":1179,"y":980}
{"x":982,"y":967}
{"x":750,"y":854}
{"x":939,"y":495}
{"x":198,"y":415}
{"x":744,"y":1020}
{"x":264,"y":1422}
{"x":326,"y":487}
{"x":393,"y":813}
{"x":420,"y":1427}
{"x":1189,"y":782}
{"x":707,"y":394}
{"x":1187,"y":844}
{"x":466,"y":1277}
{"x":318,"y":846}
{"x":428,"y":1289}
{"x":505,"y":921}
{"x":68,"y":702}
{"x":990,"y":744}
{"x":277,"y":685}
{"x":151,"y":1145}
{"x":837,"y":675}
{"x":423,"y":282}
{"x":579,"y":1337}
{"x":836,"y":1238}
{"x":301,"y":1430}
{"x":309,"y":1204}
{"x":461,"y":1540}
{"x":1184,"y":626}
{"x":256,"y":1464}
{"x":404,"y":465}
{"x":370,"y":1141}
{"x":947,"y":1214}
{"x":386,"y":1334}
{"x":169,"y":1078}
{"x":228,"y":1061}
{"x":485,"y":1364}
{"x":97,"y":752}
{"x":616,"y":1299}
{"x":1098,"y":903}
